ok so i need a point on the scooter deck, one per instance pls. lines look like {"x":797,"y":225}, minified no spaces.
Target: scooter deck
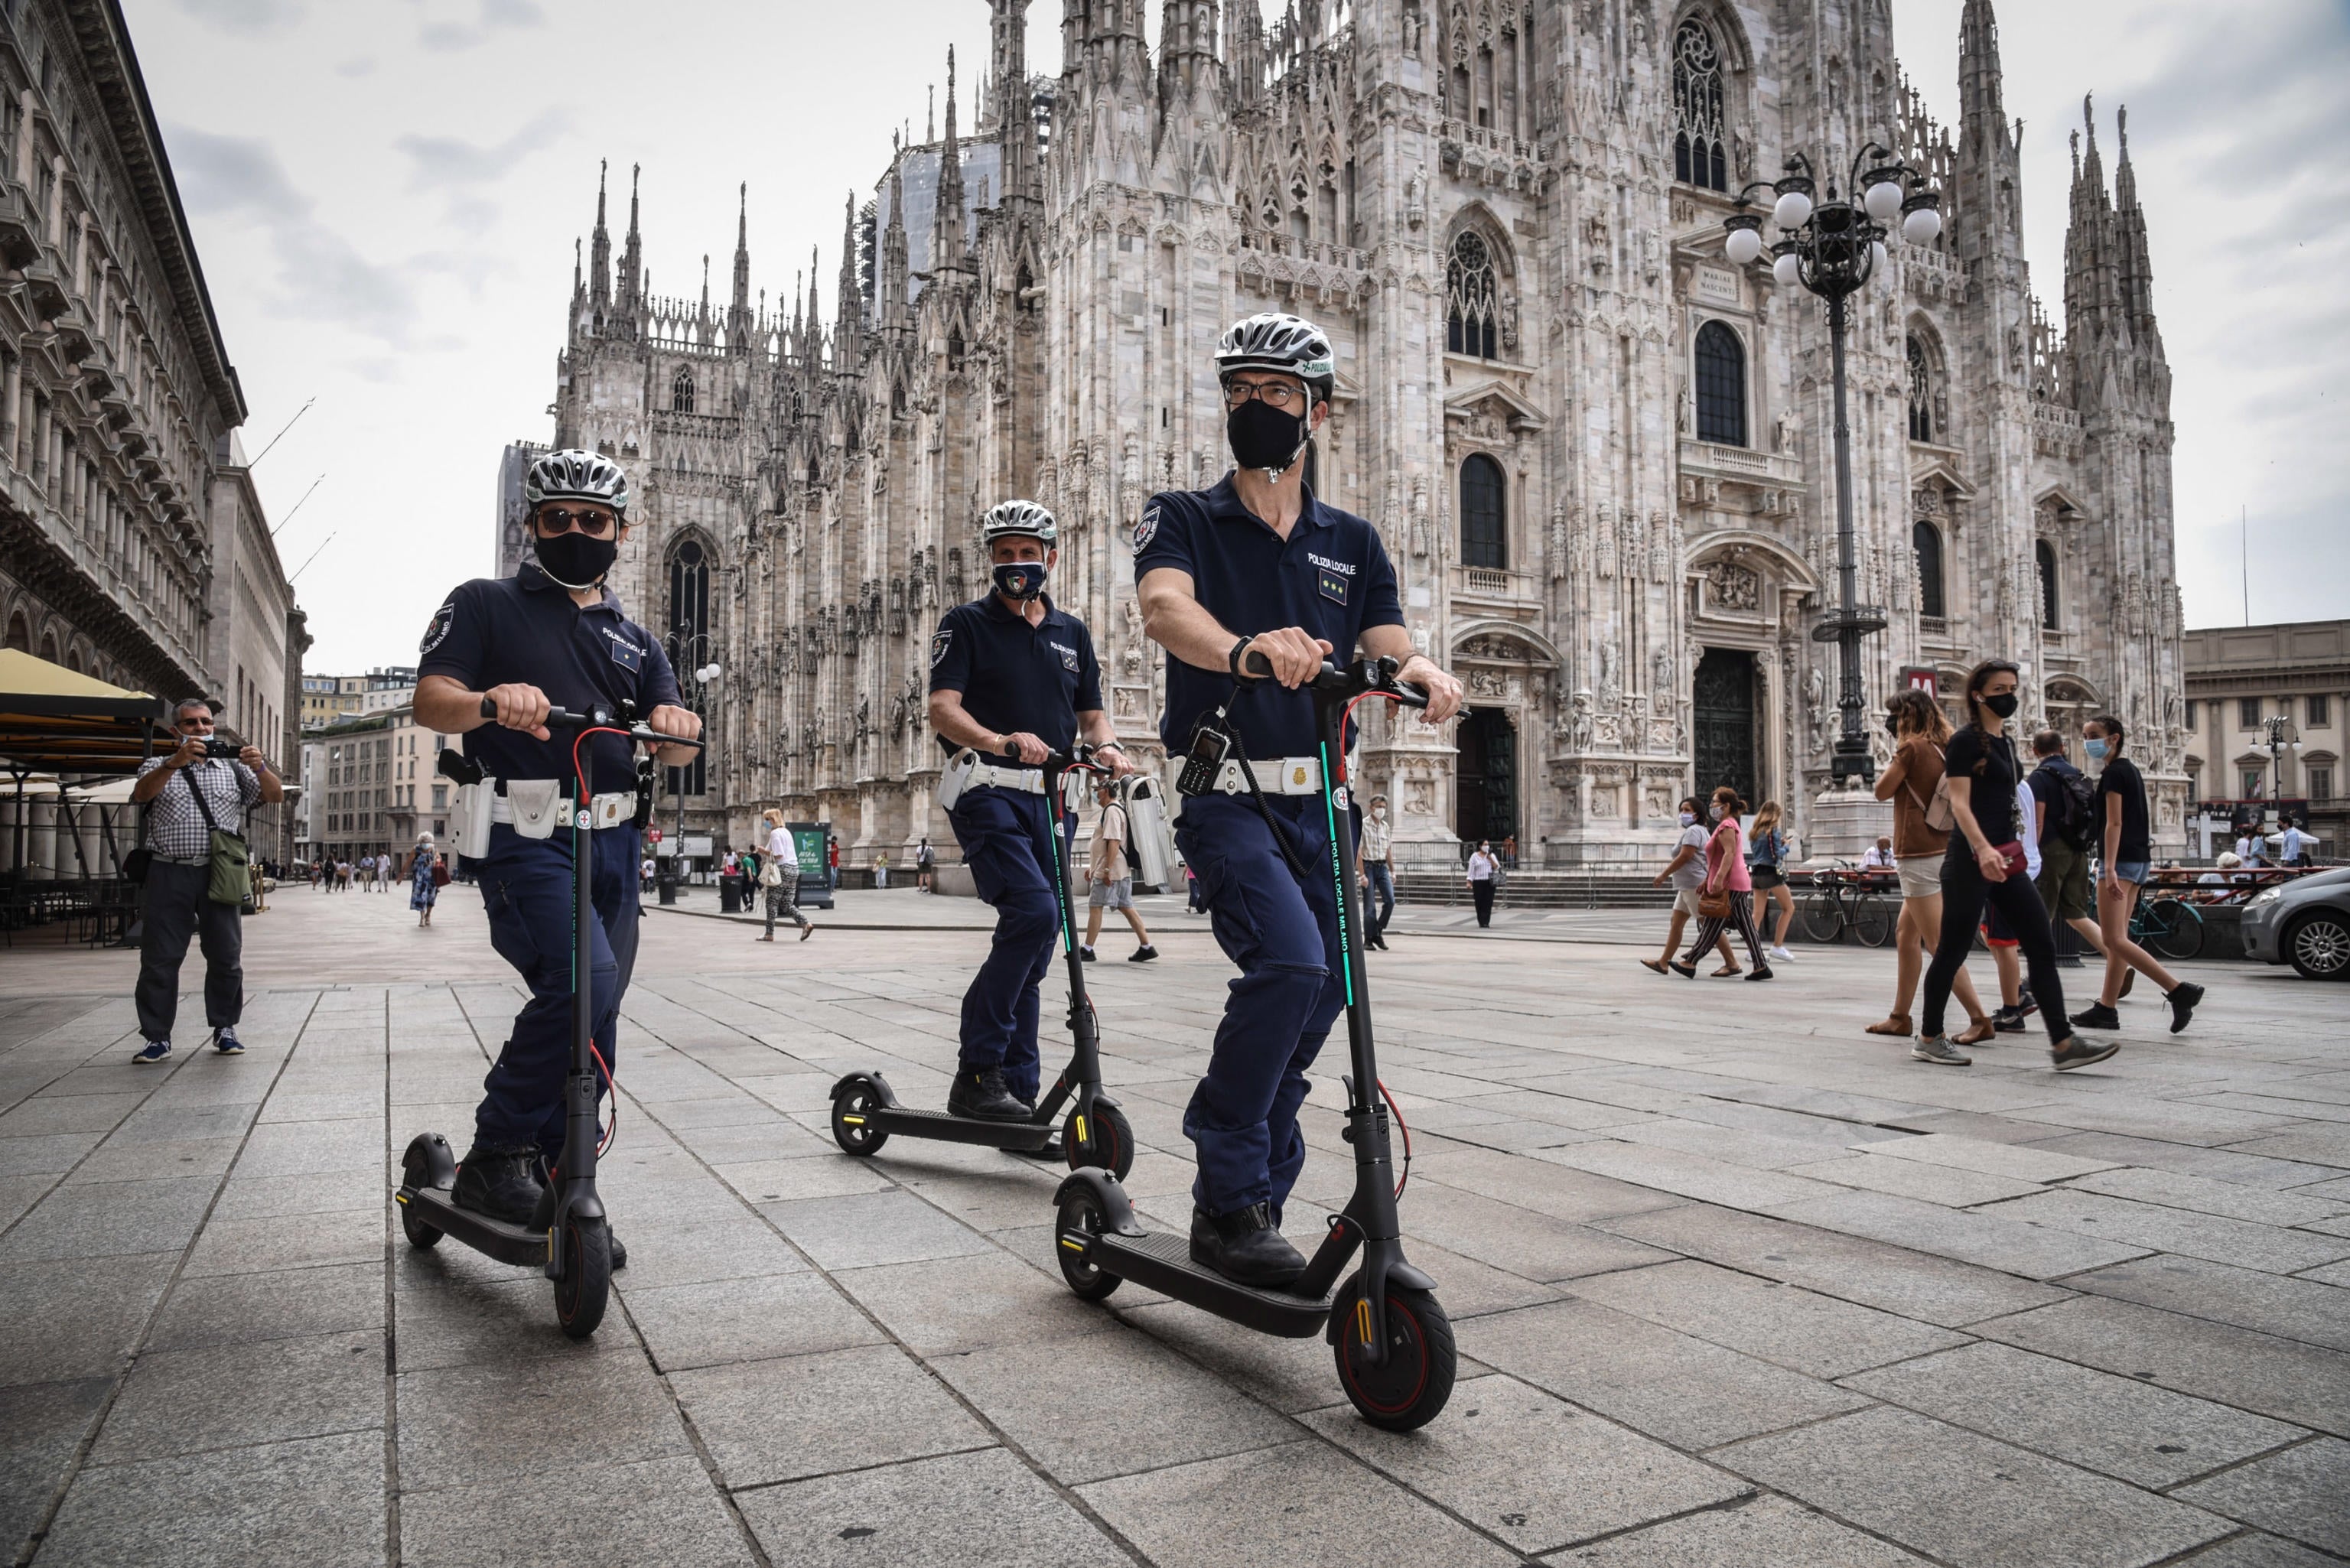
{"x":1163,"y":1263}
{"x":961,"y":1129}
{"x":507,"y":1242}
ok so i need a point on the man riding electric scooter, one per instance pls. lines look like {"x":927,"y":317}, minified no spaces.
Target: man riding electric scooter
{"x":1257,"y":565}
{"x":1013,"y":680}
{"x":551,"y":637}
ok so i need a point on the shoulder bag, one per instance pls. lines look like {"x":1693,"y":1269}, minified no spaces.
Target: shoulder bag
{"x":1714,"y":904}
{"x":232,"y":860}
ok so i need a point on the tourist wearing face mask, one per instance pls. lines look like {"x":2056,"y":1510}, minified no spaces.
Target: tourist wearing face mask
{"x":2124,"y":838}
{"x":551,"y":636}
{"x":1686,"y":872}
{"x":1372,"y":848}
{"x":1013,"y":679}
{"x":1986,"y":864}
{"x":1258,"y":564}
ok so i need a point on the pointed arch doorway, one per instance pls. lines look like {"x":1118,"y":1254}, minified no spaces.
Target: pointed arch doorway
{"x":1722,"y":709}
{"x":1486,"y":791}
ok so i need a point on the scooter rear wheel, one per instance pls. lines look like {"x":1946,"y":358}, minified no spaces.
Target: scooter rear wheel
{"x":852,"y":1121}
{"x":586,"y":1286}
{"x":1081,"y":1211}
{"x":1413,"y":1384}
{"x":1106,"y":1141}
{"x":419,"y":1235}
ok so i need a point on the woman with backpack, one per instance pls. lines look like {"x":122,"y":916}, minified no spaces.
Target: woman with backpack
{"x":1921,"y":837}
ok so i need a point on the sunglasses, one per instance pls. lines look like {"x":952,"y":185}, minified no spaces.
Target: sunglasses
{"x":554,"y":520}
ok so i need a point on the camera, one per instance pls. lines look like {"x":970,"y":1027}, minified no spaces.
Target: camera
{"x":216,"y":747}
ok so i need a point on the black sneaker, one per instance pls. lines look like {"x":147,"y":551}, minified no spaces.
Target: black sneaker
{"x":1085,"y":953}
{"x":2097,"y":1015}
{"x":2010,"y":1020}
{"x":1245,"y":1247}
{"x":2026,"y":1004}
{"x":1142,"y":954}
{"x":2077,"y":1052}
{"x":153,"y":1051}
{"x":982,"y":1095}
{"x":2182,"y":999}
{"x":501,"y":1183}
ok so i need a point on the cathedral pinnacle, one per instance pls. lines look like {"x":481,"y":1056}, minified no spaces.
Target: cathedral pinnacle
{"x":601,"y":273}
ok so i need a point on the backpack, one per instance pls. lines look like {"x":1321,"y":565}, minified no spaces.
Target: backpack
{"x":2072,"y":806}
{"x":1937,"y":811}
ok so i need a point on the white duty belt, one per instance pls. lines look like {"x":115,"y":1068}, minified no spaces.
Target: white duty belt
{"x":1283,"y":776}
{"x":604,"y":810}
{"x":1027,"y":781}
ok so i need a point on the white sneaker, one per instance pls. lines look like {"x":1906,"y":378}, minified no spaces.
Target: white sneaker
{"x":1781,"y":955}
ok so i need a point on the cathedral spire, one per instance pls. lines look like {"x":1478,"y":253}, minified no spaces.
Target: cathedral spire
{"x":1011,"y":115}
{"x":738,"y":315}
{"x":847,"y":335}
{"x":948,"y":219}
{"x":2137,"y":266}
{"x":633,"y":283}
{"x":600,"y":274}
{"x":892,"y":281}
{"x":1979,"y":111}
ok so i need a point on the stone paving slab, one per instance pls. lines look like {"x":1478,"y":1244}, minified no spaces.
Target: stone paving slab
{"x":2299,"y":1493}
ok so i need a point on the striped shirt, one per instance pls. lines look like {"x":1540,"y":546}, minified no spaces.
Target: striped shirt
{"x":175,"y":827}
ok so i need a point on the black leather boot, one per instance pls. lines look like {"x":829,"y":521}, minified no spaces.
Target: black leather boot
{"x":982,"y":1095}
{"x":1245,"y":1247}
{"x":502,"y":1183}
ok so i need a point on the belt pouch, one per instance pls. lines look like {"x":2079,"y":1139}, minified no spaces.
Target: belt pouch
{"x":955,"y":777}
{"x":535,"y":805}
{"x":473,"y":819}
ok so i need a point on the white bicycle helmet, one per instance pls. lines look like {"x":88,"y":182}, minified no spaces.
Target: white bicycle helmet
{"x":576,"y":476}
{"x":1007,"y":519}
{"x":1276,"y":340}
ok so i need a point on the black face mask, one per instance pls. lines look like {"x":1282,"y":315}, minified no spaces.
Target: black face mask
{"x":577,"y":561}
{"x":2003,"y":704}
{"x":1265,"y":437}
{"x":1021,"y":580}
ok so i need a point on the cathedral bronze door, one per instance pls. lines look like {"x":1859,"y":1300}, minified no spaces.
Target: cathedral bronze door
{"x":1487,"y":781}
{"x":1722,"y":705}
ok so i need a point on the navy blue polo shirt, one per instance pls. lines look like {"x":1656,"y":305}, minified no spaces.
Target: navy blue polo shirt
{"x":1330,"y":576}
{"x":498,"y":631}
{"x":1014,"y":675}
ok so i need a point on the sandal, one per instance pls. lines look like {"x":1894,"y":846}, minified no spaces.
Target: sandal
{"x":1727,"y":970}
{"x":1981,"y":1030}
{"x":1895,"y":1023}
{"x":1657,"y":964}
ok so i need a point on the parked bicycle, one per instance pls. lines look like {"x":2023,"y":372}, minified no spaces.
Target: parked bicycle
{"x":2168,"y":928}
{"x":1844,"y":897}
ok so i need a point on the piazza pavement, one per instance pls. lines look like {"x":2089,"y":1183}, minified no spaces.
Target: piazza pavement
{"x":1733,"y":1282}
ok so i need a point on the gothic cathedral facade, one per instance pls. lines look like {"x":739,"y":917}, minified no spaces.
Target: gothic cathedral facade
{"x":1597,"y":450}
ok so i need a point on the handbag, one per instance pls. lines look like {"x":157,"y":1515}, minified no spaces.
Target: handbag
{"x":771,"y":871}
{"x":231,"y":881}
{"x":440,"y":875}
{"x":1937,"y":811}
{"x":2018,"y":862}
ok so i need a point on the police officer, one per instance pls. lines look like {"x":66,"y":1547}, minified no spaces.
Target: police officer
{"x":1013,"y":679}
{"x":551,"y":636}
{"x":1257,"y":564}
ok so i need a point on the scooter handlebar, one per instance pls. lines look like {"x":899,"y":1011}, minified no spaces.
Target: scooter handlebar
{"x":1365,"y":676}
{"x":598,"y":718}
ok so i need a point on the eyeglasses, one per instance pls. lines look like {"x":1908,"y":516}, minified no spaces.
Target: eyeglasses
{"x":554,"y":520}
{"x":1273,"y":394}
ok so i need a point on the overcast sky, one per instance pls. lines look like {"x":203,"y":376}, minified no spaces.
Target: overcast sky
{"x":385,"y":197}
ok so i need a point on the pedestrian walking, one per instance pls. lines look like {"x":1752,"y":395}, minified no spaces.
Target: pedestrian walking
{"x":2016,"y":1003}
{"x":1912,"y":780}
{"x":1686,"y":872}
{"x":779,"y":878}
{"x":1726,"y":896}
{"x":1194,"y":899}
{"x":425,"y":877}
{"x":1483,"y":870}
{"x":1111,"y":873}
{"x":342,"y":876}
{"x":926,"y":865}
{"x":882,"y":868}
{"x":1985,"y":864}
{"x":2125,"y":829}
{"x":1766,"y":854}
{"x":2294,"y":852}
{"x":832,"y":859}
{"x":2064,"y":808}
{"x":1373,"y":846}
{"x":197,"y":875}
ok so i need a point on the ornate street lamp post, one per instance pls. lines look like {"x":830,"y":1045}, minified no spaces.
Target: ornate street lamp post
{"x":2278,"y":727}
{"x":689,"y":651}
{"x":1832,"y":248}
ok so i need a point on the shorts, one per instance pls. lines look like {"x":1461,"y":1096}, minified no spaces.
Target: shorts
{"x":2064,"y":883}
{"x":1921,"y":875}
{"x":1766,"y":878}
{"x":2133,"y":870}
{"x":1685,"y":900}
{"x":1995,"y":928}
{"x":1117,"y":894}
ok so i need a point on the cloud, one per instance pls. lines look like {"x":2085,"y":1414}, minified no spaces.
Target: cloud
{"x":442,"y":160}
{"x":447,"y":37}
{"x":363,"y":66}
{"x":321,"y":276}
{"x":248,"y":16}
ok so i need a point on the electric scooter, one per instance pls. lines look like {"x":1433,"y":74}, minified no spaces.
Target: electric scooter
{"x":865,"y":1111}
{"x":1391,"y":1340}
{"x":575,"y":1248}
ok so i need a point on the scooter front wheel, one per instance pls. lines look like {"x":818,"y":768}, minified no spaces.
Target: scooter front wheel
{"x":852,"y":1121}
{"x":419,"y":1235}
{"x":1104,"y":1139}
{"x":1413,"y":1383}
{"x":1081,"y":1213}
{"x":585,"y":1288}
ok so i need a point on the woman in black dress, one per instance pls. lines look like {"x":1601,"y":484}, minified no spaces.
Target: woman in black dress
{"x":1985,"y":863}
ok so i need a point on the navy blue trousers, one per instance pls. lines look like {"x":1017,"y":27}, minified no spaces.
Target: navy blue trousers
{"x":526,"y":884}
{"x":1283,"y":933}
{"x":1007,"y":841}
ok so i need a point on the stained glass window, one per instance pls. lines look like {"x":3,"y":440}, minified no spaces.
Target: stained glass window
{"x":1699,"y":154}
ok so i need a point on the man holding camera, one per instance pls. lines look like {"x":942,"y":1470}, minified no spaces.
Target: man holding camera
{"x":205,"y":785}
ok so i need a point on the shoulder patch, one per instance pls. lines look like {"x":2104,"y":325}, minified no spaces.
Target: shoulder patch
{"x":940,"y":642}
{"x":1147,"y":527}
{"x":438,"y":628}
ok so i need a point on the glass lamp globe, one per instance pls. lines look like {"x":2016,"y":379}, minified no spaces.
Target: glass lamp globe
{"x":1883,"y":200}
{"x":1921,"y":226}
{"x":1742,"y":245}
{"x":1787,"y":270}
{"x":1877,"y":253}
{"x":1791,"y":209}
